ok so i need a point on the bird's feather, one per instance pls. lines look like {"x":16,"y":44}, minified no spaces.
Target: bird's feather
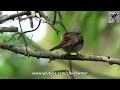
{"x":62,"y":44}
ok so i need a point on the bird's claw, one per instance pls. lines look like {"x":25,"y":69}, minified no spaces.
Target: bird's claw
{"x":51,"y":59}
{"x":64,"y":55}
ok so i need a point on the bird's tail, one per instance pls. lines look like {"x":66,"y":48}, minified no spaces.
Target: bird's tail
{"x":56,"y":47}
{"x":52,"y":49}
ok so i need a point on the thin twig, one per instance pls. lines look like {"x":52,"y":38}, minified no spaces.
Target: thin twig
{"x":32,"y":29}
{"x":70,"y":65}
{"x":49,"y":22}
{"x":26,"y":31}
{"x":52,"y":16}
{"x":30,"y":40}
{"x":54,"y":19}
{"x":22,"y":34}
{"x":61,"y":22}
{"x":14,"y":35}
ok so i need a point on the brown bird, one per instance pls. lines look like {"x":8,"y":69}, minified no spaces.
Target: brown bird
{"x":71,"y":42}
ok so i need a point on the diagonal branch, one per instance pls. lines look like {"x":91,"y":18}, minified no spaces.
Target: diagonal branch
{"x":37,"y":54}
{"x":61,"y":21}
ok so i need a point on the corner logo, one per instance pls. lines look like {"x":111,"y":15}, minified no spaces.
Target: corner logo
{"x":113,"y":16}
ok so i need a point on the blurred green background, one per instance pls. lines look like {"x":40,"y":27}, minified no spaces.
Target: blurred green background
{"x":101,"y":38}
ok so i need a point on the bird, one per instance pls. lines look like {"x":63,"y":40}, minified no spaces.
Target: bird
{"x":71,"y":42}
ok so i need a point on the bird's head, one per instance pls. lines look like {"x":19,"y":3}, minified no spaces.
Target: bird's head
{"x":76,"y":30}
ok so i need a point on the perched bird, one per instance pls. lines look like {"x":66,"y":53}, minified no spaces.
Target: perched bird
{"x":71,"y":42}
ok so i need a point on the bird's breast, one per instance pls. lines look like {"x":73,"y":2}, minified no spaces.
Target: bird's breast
{"x":72,"y":49}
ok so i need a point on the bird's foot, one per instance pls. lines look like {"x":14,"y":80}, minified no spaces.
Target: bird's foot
{"x":77,"y":53}
{"x":64,"y":55}
{"x":51,"y":59}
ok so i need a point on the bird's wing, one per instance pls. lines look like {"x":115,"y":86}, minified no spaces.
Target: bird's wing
{"x":64,"y":43}
{"x":80,"y":41}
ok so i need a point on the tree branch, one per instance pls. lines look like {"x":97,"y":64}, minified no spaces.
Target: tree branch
{"x":13,"y":16}
{"x":8,"y":29}
{"x":37,"y":54}
{"x":2,"y":20}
